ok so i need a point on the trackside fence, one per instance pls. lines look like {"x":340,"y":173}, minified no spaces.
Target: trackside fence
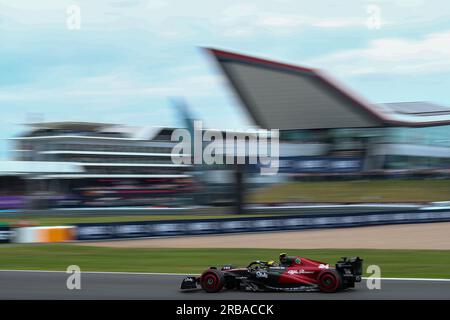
{"x":167,"y":228}
{"x":104,"y":231}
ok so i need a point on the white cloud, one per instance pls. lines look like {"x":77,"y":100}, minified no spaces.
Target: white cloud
{"x":430,"y":54}
{"x":177,"y":18}
{"x":289,"y":21}
{"x":118,"y":85}
{"x":409,"y":3}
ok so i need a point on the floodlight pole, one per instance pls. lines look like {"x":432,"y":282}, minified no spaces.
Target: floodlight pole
{"x":239,"y":188}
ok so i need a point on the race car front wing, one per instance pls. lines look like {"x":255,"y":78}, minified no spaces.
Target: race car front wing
{"x":189,"y":283}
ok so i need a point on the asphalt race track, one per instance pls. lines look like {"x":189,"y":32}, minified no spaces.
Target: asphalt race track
{"x":52,"y":285}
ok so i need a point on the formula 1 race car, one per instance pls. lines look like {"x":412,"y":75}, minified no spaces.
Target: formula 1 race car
{"x":290,"y":274}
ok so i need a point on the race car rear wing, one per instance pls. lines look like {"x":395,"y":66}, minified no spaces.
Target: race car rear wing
{"x":351,"y":269}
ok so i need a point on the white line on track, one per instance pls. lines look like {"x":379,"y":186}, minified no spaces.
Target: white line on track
{"x":104,"y":272}
{"x":184,"y":274}
{"x":410,"y":279}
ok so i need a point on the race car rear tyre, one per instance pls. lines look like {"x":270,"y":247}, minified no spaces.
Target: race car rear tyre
{"x":329,"y":281}
{"x":212,"y":280}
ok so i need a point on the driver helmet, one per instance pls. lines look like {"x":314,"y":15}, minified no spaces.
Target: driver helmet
{"x":272,"y":263}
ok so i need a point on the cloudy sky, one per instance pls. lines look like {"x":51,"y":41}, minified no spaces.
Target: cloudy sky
{"x":128,"y":56}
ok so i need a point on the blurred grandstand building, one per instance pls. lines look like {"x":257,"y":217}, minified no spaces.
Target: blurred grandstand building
{"x":334,"y":131}
{"x":97,"y":164}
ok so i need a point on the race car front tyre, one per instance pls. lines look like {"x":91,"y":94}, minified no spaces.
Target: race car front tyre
{"x":330,"y":281}
{"x":212,"y":280}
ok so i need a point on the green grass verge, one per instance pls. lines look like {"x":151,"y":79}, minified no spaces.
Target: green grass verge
{"x":356,"y":191}
{"x":393,"y":263}
{"x":55,"y":221}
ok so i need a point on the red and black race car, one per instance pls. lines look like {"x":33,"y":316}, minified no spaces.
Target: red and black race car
{"x":290,"y":274}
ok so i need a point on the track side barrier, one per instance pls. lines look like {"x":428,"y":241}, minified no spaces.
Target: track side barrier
{"x":148,"y":229}
{"x":44,"y":234}
{"x":5,"y":234}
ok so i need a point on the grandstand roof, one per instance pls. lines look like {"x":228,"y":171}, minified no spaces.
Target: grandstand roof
{"x":68,"y":125}
{"x":37,"y":167}
{"x":91,"y":130}
{"x":418,"y":108}
{"x":284,"y":96}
